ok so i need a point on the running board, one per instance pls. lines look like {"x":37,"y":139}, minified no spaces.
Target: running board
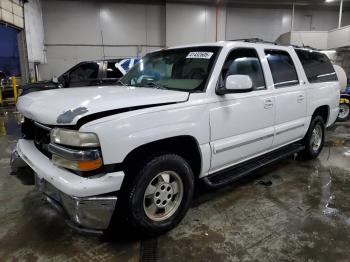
{"x":238,"y":171}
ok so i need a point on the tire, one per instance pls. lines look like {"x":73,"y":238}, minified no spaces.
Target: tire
{"x":344,"y":112}
{"x":169,"y":183}
{"x":314,"y":139}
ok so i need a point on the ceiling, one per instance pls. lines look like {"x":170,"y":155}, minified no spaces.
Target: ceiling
{"x":273,"y":4}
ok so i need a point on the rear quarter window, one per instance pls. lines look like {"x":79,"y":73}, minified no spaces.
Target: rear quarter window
{"x":317,"y":66}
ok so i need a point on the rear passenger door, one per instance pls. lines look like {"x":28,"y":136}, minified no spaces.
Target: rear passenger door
{"x":290,"y":97}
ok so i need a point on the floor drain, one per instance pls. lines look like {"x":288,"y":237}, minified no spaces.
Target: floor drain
{"x":264,"y":182}
{"x":149,"y":250}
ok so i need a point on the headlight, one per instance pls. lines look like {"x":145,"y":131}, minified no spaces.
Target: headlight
{"x":74,"y":138}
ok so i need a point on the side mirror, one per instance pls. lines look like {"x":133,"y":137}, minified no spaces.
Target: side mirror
{"x":55,"y":80}
{"x":236,"y":84}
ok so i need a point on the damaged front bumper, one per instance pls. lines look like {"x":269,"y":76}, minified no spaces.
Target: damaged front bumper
{"x":16,"y":161}
{"x":88,"y":215}
{"x":86,"y":203}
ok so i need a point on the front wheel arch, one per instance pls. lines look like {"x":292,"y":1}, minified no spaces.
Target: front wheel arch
{"x":185,"y":146}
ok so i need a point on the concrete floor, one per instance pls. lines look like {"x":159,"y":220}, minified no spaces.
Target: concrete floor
{"x":304,"y":215}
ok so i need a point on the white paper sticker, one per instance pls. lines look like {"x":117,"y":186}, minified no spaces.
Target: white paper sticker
{"x":203,"y":55}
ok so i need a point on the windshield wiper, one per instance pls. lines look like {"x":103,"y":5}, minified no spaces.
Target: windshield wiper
{"x":155,"y":85}
{"x":120,"y":82}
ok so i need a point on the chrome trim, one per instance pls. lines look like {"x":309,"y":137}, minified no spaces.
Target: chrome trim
{"x":42,"y":126}
{"x":16,"y":161}
{"x":89,"y":215}
{"x":290,"y":129}
{"x":216,"y":151}
{"x":83,"y":230}
{"x":72,"y":154}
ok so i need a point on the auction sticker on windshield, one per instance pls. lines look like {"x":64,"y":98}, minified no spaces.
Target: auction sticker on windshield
{"x":203,"y":55}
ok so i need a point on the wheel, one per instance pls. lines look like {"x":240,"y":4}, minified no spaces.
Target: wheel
{"x":344,"y":112}
{"x":314,"y":139}
{"x":161,"y":194}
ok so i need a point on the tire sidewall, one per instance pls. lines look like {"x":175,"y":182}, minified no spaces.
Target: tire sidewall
{"x":308,"y":142}
{"x":138,"y":217}
{"x":347,"y":117}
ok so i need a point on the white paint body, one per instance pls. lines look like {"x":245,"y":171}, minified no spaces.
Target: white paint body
{"x":229,"y":129}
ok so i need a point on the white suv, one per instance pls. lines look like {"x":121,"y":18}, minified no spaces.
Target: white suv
{"x":209,"y":112}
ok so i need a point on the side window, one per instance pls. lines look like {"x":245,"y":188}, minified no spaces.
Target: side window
{"x":244,"y":61}
{"x":317,"y":66}
{"x":282,"y":68}
{"x":85,"y":71}
{"x":112,"y":70}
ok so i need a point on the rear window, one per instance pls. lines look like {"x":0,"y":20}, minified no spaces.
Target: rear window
{"x":282,"y":68}
{"x":113,"y":70}
{"x":317,"y":66}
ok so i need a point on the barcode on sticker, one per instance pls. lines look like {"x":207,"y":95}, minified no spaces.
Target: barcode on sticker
{"x":203,"y":55}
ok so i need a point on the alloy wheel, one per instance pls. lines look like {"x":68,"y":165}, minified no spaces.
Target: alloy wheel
{"x":163,"y":196}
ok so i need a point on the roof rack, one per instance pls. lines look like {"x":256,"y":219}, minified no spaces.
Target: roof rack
{"x":254,"y":40}
{"x":305,"y":47}
{"x":259,"y":40}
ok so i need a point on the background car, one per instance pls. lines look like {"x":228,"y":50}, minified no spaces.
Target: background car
{"x":87,"y":73}
{"x":344,"y":105}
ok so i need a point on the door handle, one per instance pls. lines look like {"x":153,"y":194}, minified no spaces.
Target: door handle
{"x":268,"y":103}
{"x":301,"y":98}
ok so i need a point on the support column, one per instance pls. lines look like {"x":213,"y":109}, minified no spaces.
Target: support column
{"x":220,"y":26}
{"x":340,"y":13}
{"x":293,"y":13}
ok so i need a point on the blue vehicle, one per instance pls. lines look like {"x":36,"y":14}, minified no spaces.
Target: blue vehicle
{"x":347,"y":90}
{"x":344,"y":105}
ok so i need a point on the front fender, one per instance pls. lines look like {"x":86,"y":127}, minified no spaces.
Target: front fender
{"x":120,"y":134}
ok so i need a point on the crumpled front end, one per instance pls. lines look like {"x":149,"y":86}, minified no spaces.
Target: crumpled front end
{"x":87,"y":203}
{"x":90,"y":215}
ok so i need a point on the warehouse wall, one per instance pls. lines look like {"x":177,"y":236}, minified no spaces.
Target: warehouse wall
{"x":269,"y":24}
{"x":315,"y":39}
{"x":87,"y":30}
{"x":320,"y":20}
{"x":189,"y":23}
{"x":77,"y":31}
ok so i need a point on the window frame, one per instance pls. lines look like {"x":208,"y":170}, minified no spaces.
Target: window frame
{"x":105,"y":68}
{"x":210,"y":73}
{"x":295,"y":68}
{"x":303,"y":67}
{"x":260,"y":63}
{"x":99,"y":72}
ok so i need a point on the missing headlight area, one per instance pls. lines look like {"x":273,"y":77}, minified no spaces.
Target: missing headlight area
{"x":68,"y":116}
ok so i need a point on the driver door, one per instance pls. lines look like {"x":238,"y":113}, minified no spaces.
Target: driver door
{"x":242,"y":124}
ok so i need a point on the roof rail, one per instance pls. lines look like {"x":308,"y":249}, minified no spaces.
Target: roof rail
{"x":306,"y":47}
{"x":254,"y":40}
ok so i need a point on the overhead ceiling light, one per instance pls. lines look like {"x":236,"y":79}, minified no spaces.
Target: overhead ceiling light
{"x":328,"y":1}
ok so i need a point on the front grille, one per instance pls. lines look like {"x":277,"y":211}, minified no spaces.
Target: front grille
{"x":39,"y":133}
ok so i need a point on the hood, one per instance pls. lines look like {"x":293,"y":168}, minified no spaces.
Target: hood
{"x":66,"y":106}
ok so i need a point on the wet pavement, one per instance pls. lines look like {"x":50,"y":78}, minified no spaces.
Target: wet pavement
{"x":289,"y":211}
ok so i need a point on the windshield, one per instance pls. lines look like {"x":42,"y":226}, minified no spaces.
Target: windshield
{"x":183,"y":69}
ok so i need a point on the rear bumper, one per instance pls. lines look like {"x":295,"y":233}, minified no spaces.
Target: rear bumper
{"x":77,"y":198}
